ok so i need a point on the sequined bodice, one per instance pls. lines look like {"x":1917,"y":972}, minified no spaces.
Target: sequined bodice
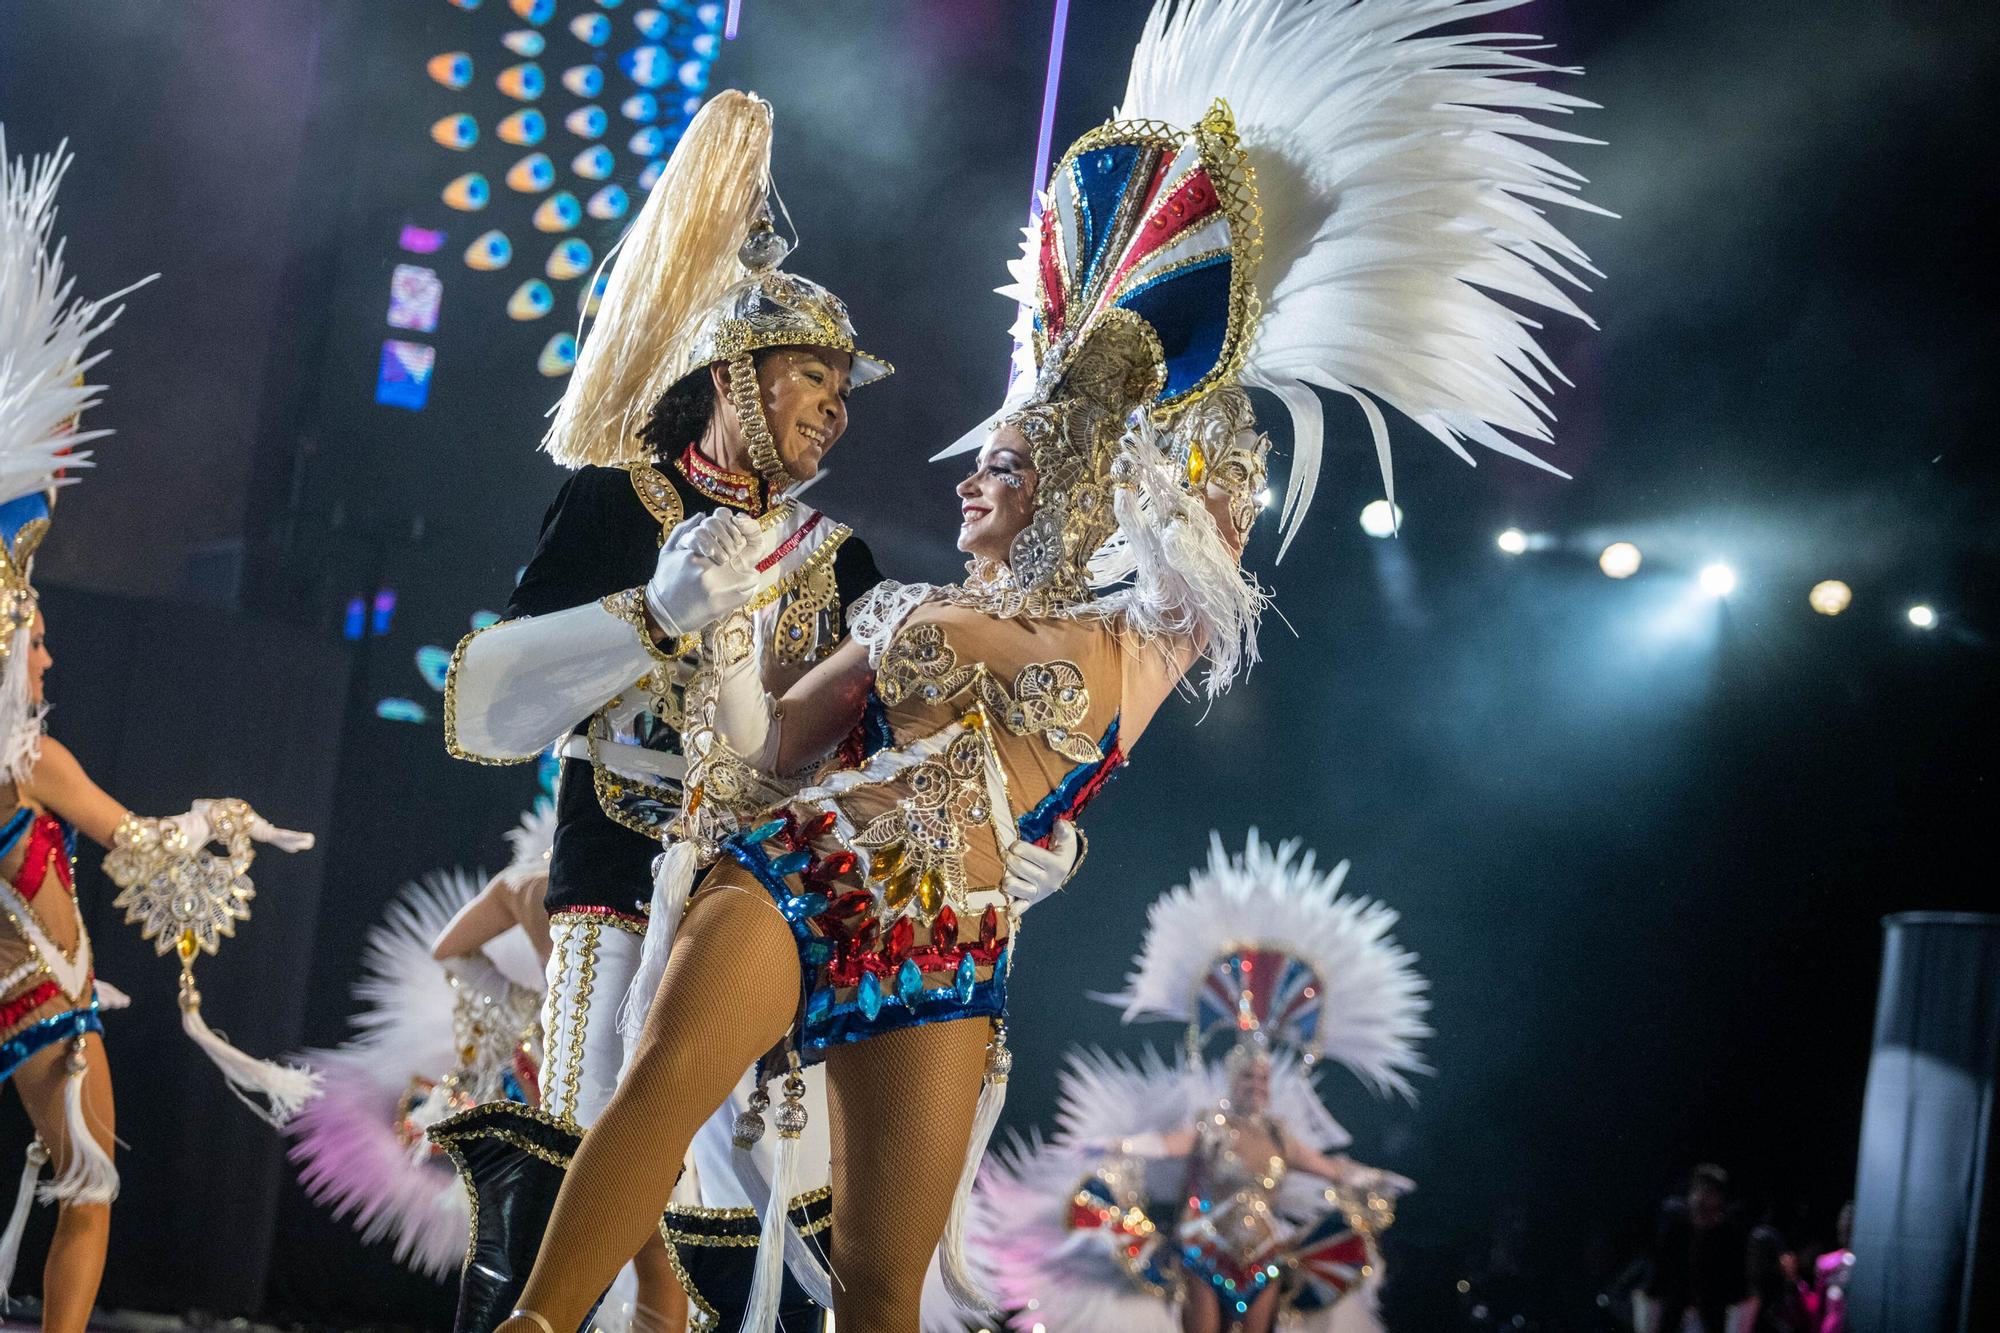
{"x":1233,"y":1193}
{"x":1043,"y":694}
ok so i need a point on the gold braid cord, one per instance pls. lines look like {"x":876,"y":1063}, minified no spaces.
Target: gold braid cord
{"x":756,"y":430}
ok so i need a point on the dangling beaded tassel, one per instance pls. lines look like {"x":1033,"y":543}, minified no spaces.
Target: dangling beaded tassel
{"x":749,"y":1129}
{"x":17,"y":1224}
{"x":283,"y":1089}
{"x":952,"y":1266}
{"x":90,"y":1176}
{"x":767,"y":1286}
{"x":805,"y":1265}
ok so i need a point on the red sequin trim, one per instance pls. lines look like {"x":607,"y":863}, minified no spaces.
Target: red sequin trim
{"x":45,"y":844}
{"x":790,"y":543}
{"x":26,"y":1003}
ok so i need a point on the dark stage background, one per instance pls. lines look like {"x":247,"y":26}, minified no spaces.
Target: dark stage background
{"x":1640,"y":841}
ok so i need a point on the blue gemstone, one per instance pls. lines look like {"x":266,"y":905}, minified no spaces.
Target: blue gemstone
{"x":963,"y":981}
{"x":803,"y":906}
{"x":869,"y":995}
{"x":816,"y":951}
{"x":819,"y":1005}
{"x":766,"y":832}
{"x":791,"y":863}
{"x":909,"y":982}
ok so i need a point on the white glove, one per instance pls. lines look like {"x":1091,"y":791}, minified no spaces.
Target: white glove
{"x":707,"y":569}
{"x":1374,"y":1179}
{"x":198,"y":827}
{"x":1033,"y":873}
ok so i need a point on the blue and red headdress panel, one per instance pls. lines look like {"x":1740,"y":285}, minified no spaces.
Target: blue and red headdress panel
{"x":1160,"y":222}
{"x":1266,"y":992}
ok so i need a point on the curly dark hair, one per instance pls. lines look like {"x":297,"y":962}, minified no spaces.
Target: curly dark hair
{"x":681,"y":415}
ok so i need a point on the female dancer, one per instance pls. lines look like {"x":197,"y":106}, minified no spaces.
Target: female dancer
{"x":1262,"y":950}
{"x":51,"y":1049}
{"x":864,"y":922}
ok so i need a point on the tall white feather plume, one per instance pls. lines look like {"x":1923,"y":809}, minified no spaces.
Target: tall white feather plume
{"x":1372,"y":997}
{"x":532,"y":840}
{"x":1403,"y":192}
{"x":45,"y":331}
{"x":349,"y":1154}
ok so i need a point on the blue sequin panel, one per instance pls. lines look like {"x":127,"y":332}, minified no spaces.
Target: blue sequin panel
{"x":32,"y":1040}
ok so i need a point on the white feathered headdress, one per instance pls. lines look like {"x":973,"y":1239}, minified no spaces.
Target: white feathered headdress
{"x":45,"y":335}
{"x":1265,"y":944}
{"x":1377,"y":187}
{"x":1041,"y":1240}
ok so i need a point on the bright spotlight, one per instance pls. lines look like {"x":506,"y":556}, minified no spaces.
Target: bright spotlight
{"x":1718,"y":579}
{"x":1513,"y":541}
{"x":1620,"y":560}
{"x":1923,"y":617}
{"x":1830,"y":597}
{"x":1379,"y":518}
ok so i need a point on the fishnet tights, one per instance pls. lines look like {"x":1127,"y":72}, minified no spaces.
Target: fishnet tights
{"x":901,"y":1106}
{"x":76,"y":1255}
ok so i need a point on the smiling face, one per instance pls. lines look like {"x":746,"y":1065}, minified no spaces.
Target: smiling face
{"x":997,"y":500}
{"x":804,"y":392}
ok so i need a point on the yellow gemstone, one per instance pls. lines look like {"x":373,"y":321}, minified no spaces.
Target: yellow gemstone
{"x":930,"y":891}
{"x":1197,"y":467}
{"x":897,"y":894}
{"x":974,"y":720}
{"x":885,"y":862}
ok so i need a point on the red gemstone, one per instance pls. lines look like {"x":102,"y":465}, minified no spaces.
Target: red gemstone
{"x":989,"y":927}
{"x":819,"y":824}
{"x":944,"y":930}
{"x":900,"y":939}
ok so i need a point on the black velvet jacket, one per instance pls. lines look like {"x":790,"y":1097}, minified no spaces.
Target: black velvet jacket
{"x":599,"y":538}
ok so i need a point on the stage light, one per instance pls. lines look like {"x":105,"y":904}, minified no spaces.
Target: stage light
{"x":1718,"y":579}
{"x":1830,"y":597}
{"x":421,"y":240}
{"x":453,"y":69}
{"x":524,"y":129}
{"x":468,"y":193}
{"x":591,"y":29}
{"x":651,"y":175}
{"x":434,"y":665}
{"x":648,"y":142}
{"x":415,"y":293}
{"x":1379,"y":518}
{"x":558,"y":212}
{"x":532,"y":174}
{"x":491,"y":251}
{"x":569,"y":260}
{"x":587,"y":122}
{"x":651,"y":23}
{"x":523,"y":83}
{"x":593,"y":163}
{"x":536,"y":12}
{"x":403,"y":376}
{"x":482,"y":619}
{"x":456,"y":132}
{"x":608,"y":204}
{"x":401,"y":710}
{"x":584,"y":80}
{"x":647,"y":66}
{"x":593,"y":293}
{"x":1513,"y":541}
{"x":1620,"y":560}
{"x":640,"y":106}
{"x":525,"y":42}
{"x":1923,"y":617}
{"x":693,"y":75}
{"x":558,"y":355}
{"x":531,"y":300}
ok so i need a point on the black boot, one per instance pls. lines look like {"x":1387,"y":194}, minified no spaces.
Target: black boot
{"x":715,"y":1253}
{"x":512,"y":1159}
